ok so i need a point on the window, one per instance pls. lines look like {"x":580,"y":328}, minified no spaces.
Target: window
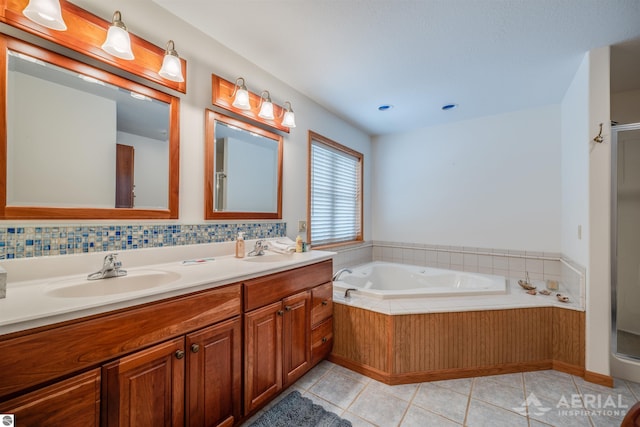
{"x":335,"y":193}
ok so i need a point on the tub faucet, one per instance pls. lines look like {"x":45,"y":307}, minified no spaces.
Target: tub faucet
{"x":110,"y":268}
{"x":339,"y":272}
{"x":259,"y":248}
{"x":346,"y":293}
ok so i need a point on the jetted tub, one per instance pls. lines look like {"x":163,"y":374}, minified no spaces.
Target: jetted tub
{"x":390,"y":280}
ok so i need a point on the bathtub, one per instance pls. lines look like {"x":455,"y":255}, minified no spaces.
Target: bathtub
{"x":389,"y":280}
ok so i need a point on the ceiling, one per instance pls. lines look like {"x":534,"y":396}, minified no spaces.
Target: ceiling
{"x":487,"y":56}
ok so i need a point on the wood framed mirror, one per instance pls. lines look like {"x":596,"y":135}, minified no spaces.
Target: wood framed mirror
{"x":243,"y":170}
{"x":78,"y":142}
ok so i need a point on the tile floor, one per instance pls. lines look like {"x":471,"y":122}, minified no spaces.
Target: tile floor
{"x":552,"y":399}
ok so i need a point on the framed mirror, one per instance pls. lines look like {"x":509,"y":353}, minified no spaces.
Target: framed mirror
{"x":243,"y":170}
{"x":81,"y":143}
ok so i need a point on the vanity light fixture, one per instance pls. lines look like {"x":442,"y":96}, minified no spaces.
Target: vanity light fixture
{"x":171,"y":67}
{"x":241,"y":93}
{"x":118,"y":42}
{"x":46,"y":13}
{"x":266,"y":106}
{"x":289,"y":119}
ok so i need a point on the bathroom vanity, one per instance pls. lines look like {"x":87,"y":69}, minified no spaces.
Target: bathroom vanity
{"x":177,"y":360}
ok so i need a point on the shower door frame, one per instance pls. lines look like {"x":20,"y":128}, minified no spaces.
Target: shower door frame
{"x":614,"y":238}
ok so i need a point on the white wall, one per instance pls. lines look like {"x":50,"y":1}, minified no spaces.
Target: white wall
{"x":51,"y":150}
{"x":598,"y":270}
{"x":625,"y":107}
{"x":575,"y":166}
{"x":205,"y":56}
{"x":151,"y":175}
{"x":491,"y":182}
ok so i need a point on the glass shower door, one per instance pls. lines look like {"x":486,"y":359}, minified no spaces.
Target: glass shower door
{"x":626,"y":241}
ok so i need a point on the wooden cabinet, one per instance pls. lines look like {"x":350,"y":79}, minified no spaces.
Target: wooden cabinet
{"x":74,"y":402}
{"x":321,"y":322}
{"x":296,"y":340}
{"x":173,"y":362}
{"x":146,"y":388}
{"x":162,"y":363}
{"x":263,"y":355}
{"x":279,"y":339}
{"x":193,"y":379}
{"x":214,"y":370}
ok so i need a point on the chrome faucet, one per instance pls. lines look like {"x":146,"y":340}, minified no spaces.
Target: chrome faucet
{"x":259,"y":248}
{"x":110,"y":268}
{"x":339,"y":272}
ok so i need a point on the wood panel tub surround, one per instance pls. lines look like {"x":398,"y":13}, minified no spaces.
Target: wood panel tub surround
{"x":434,"y":346}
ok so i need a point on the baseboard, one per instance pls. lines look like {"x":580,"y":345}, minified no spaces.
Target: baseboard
{"x":594,"y":377}
{"x":370,"y":372}
{"x":442,"y":374}
{"x":568,"y":368}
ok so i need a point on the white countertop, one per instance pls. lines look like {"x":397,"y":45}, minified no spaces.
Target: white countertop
{"x":27,"y":304}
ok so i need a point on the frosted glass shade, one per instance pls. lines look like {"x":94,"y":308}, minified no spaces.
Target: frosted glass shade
{"x":171,"y":68}
{"x":289,"y":119}
{"x":46,"y":13}
{"x":118,"y":43}
{"x":266,"y":110}
{"x":241,"y":100}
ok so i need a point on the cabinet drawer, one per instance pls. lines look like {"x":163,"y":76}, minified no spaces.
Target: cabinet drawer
{"x":72,"y":402}
{"x":269,"y":289}
{"x":321,"y":340}
{"x":322,"y":303}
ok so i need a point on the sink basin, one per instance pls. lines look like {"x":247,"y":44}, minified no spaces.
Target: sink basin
{"x":270,"y":258}
{"x":133,"y":281}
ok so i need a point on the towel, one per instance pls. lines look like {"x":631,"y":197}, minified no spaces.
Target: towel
{"x":283,"y":246}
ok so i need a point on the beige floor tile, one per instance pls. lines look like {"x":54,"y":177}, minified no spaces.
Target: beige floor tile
{"x":442,"y":401}
{"x":338,"y":389}
{"x":379,"y":407}
{"x":483,"y":414}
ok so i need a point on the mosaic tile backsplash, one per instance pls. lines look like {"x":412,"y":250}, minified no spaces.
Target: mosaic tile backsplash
{"x":35,"y":241}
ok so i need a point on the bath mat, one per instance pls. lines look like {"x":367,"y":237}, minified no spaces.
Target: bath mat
{"x":298,"y":411}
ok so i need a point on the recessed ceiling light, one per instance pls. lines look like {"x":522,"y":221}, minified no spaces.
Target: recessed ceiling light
{"x":449,"y":107}
{"x":385,"y":107}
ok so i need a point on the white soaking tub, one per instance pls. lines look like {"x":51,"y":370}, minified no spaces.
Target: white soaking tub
{"x":391,"y":280}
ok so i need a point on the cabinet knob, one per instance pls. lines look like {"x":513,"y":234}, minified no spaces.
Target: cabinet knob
{"x":325,"y":302}
{"x":287,"y":307}
{"x":179,"y":354}
{"x":280,"y":312}
{"x":324,"y":339}
{"x":195,"y":348}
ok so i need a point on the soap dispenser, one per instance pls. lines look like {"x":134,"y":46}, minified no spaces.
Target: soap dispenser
{"x":240,"y":245}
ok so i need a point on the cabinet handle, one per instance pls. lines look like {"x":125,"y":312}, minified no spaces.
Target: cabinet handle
{"x":324,"y":339}
{"x":195,"y":348}
{"x":287,"y":307}
{"x":280,"y":312}
{"x":325,"y":302}
{"x":179,"y":354}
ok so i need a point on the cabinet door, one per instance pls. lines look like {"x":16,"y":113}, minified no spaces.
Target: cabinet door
{"x":214,"y":375}
{"x":263,"y":355}
{"x":296,"y":336}
{"x":146,"y":388}
{"x":72,"y":402}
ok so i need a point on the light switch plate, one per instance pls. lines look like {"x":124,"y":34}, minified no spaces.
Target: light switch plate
{"x":302,"y":226}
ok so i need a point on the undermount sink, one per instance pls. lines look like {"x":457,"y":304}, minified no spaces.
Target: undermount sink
{"x":133,"y":281}
{"x":270,"y":258}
